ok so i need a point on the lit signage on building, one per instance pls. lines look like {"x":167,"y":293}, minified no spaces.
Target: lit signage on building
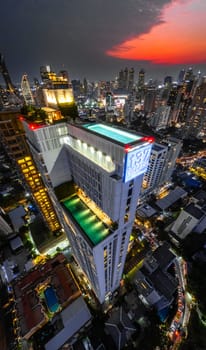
{"x":136,"y":162}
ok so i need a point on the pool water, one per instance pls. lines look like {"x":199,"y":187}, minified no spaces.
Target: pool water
{"x":121,"y":136}
{"x":95,"y":230}
{"x":51,"y":299}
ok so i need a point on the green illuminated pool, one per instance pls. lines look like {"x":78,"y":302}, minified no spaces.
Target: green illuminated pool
{"x":121,"y":136}
{"x":95,"y":230}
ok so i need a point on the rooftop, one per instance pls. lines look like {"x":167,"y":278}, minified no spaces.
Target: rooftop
{"x":171,"y":198}
{"x":91,"y":225}
{"x":195,"y":211}
{"x":31,"y":301}
{"x":115,"y":134}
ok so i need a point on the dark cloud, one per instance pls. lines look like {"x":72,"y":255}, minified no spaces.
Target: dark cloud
{"x":72,"y":33}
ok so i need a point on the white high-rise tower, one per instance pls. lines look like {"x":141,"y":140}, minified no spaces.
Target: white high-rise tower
{"x":105,"y":166}
{"x":97,"y":176}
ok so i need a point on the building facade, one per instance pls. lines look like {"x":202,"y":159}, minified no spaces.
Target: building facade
{"x":101,"y":168}
{"x":104,"y":167}
{"x":14,"y":141}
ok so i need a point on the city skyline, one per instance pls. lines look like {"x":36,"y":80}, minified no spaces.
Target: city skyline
{"x":96,"y":39}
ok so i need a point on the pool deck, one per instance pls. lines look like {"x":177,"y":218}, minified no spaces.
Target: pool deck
{"x":90,"y":224}
{"x":116,"y":135}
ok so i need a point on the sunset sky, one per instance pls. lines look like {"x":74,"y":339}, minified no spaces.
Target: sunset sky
{"x":179,"y":39}
{"x":97,"y":38}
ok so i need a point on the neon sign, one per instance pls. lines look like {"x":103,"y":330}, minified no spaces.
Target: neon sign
{"x":136,"y":162}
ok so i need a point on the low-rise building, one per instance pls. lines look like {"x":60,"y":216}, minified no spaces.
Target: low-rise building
{"x":49,"y":306}
{"x":155,"y":285}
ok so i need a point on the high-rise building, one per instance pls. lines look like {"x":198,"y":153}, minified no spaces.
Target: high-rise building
{"x":181,"y":76}
{"x":126,"y":79}
{"x":14,"y":141}
{"x":161,"y":118}
{"x":4,"y":71}
{"x":131,"y":80}
{"x":26,"y":91}
{"x":45,"y":142}
{"x":168,"y":80}
{"x":57,"y":90}
{"x":189,"y":75}
{"x":155,"y":168}
{"x":174,"y":146}
{"x":196,"y":122}
{"x":100,"y":169}
{"x":149,"y":101}
{"x":161,"y":164}
{"x":141,"y":79}
{"x":107,"y":166}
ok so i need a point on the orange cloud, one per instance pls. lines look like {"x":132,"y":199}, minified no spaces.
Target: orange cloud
{"x":179,"y":39}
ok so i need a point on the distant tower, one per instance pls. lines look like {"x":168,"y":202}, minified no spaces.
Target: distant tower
{"x":141,"y":78}
{"x":4,"y":71}
{"x":181,"y":76}
{"x":131,"y":80}
{"x":85,"y":84}
{"x":26,"y":91}
{"x":197,"y":118}
{"x":168,"y":80}
{"x":44,"y":72}
{"x":126,"y":72}
{"x":189,"y":74}
{"x":121,"y":79}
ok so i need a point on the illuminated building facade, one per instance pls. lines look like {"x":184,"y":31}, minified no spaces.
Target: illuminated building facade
{"x":57,"y":90}
{"x":45,"y":142}
{"x":103,"y":167}
{"x":161,"y":164}
{"x":196,"y":122}
{"x":26,"y":91}
{"x":14,"y":141}
{"x":154,"y":171}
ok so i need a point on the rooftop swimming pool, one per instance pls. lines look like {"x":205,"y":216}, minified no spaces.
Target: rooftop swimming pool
{"x":95,"y":230}
{"x":121,"y":136}
{"x":51,"y":299}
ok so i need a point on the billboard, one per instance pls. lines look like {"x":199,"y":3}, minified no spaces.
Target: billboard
{"x":136,"y":162}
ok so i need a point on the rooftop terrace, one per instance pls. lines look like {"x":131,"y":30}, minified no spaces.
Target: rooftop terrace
{"x":93,"y":228}
{"x":115,"y":134}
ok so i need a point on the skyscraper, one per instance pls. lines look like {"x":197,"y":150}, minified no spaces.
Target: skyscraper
{"x":196,"y":122}
{"x":161,"y":164}
{"x":104,"y":167}
{"x":131,"y":80}
{"x":97,"y":176}
{"x":4,"y":71}
{"x":26,"y":91}
{"x":154,"y":171}
{"x":141,"y":79}
{"x":13,"y":138}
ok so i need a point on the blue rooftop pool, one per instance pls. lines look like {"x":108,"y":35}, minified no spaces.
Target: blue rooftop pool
{"x":51,"y":299}
{"x":121,"y":136}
